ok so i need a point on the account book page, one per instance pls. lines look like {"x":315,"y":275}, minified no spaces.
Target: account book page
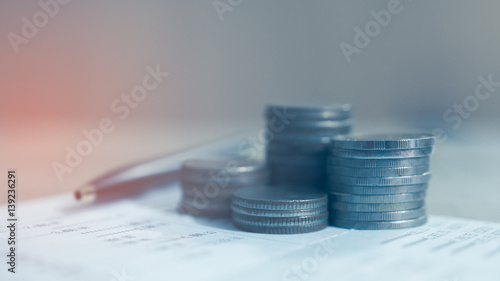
{"x":147,"y":239}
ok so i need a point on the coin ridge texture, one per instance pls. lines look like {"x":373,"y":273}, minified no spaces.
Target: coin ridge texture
{"x":281,"y":229}
{"x":374,"y":199}
{"x":381,"y":154}
{"x":280,"y":221}
{"x":378,"y":163}
{"x":323,"y":112}
{"x":404,"y":180}
{"x":278,"y":213}
{"x":374,"y":190}
{"x":279,"y":198}
{"x":375,"y":207}
{"x":378,"y":172}
{"x":377,"y":225}
{"x":203,"y":167}
{"x":385,"y":141}
{"x":378,"y":216}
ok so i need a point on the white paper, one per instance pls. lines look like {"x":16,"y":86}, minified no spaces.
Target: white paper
{"x":147,"y":239}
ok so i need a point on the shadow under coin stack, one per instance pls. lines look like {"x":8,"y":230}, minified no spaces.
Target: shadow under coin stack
{"x":280,"y":209}
{"x":298,"y":141}
{"x":208,"y":184}
{"x":379,"y":181}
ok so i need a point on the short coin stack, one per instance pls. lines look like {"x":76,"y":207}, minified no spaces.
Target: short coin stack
{"x":280,"y":209}
{"x":299,"y":139}
{"x":208,"y":184}
{"x":379,"y":181}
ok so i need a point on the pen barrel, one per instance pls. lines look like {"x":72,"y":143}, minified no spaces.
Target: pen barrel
{"x":120,"y":189}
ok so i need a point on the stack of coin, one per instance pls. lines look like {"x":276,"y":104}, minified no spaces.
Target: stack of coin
{"x":298,"y":141}
{"x":208,"y":184}
{"x":379,"y":181}
{"x":280,"y":209}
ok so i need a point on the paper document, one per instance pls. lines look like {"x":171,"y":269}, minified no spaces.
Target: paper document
{"x":147,"y":239}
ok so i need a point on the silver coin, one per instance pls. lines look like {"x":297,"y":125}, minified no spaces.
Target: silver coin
{"x":206,"y":167}
{"x":285,"y":154}
{"x":304,"y":177}
{"x":302,"y":171}
{"x":363,"y":207}
{"x":372,"y":199}
{"x":377,"y":225}
{"x":405,"y":180}
{"x":311,"y":128}
{"x":213,"y":211}
{"x":296,"y":160}
{"x":297,"y":140}
{"x":278,"y":213}
{"x":378,"y":216}
{"x":313,"y":183}
{"x":378,"y":172}
{"x":280,"y":229}
{"x":280,"y":221}
{"x":278,"y":126}
{"x":188,"y":205}
{"x":279,"y":197}
{"x":306,"y":150}
{"x":208,"y":193}
{"x":299,"y":176}
{"x":316,"y":182}
{"x":384,"y":141}
{"x":289,"y":112}
{"x":225,"y":180}
{"x":320,"y":133}
{"x":378,"y":163}
{"x":374,"y":190}
{"x":202,"y":200}
{"x":290,"y":170}
{"x":213,"y":214}
{"x":381,"y":154}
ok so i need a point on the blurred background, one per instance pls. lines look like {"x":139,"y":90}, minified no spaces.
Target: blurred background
{"x":63,"y":64}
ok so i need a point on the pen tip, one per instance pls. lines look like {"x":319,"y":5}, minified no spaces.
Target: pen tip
{"x":86,"y":194}
{"x":78,"y":195}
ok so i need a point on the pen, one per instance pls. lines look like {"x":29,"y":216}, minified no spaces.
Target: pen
{"x":134,"y":179}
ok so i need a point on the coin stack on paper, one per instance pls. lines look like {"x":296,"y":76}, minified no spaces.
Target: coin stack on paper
{"x":379,"y":181}
{"x":280,"y":209}
{"x":208,"y":184}
{"x":298,"y":141}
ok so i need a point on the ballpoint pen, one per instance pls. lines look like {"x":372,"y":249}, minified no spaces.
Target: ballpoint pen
{"x":134,"y":179}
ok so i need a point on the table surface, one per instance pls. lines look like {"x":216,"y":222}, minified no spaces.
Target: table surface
{"x":465,"y":181}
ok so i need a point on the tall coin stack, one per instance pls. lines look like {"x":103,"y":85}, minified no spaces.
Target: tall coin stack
{"x":208,"y":184}
{"x":280,"y":209}
{"x":298,"y":141}
{"x":379,"y":181}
